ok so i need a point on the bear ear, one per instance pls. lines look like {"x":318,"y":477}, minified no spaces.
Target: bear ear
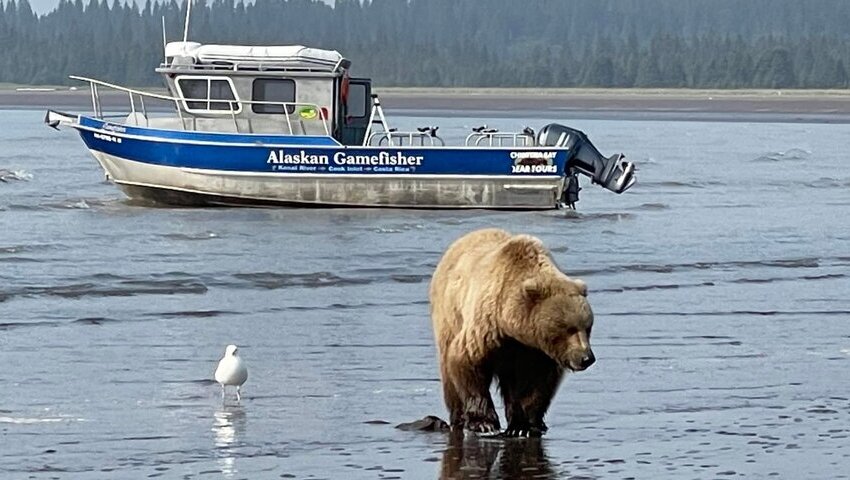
{"x":533,"y":289}
{"x":582,"y":287}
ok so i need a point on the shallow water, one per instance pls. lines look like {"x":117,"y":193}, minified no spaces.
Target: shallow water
{"x":720,"y":286}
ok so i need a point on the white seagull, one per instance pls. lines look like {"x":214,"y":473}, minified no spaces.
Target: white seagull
{"x":231,"y":371}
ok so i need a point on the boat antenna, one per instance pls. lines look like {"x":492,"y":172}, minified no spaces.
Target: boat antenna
{"x":188,"y":14}
{"x":164,"y":41}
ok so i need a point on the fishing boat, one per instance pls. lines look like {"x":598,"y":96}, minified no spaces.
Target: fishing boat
{"x":289,"y":125}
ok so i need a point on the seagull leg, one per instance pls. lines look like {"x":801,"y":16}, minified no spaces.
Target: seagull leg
{"x":223,"y":392}
{"x":238,"y":394}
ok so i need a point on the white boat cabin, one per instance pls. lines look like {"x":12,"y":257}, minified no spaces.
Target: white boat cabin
{"x":272,"y":89}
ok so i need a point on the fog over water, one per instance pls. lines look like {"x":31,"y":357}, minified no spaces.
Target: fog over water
{"x":719,"y":282}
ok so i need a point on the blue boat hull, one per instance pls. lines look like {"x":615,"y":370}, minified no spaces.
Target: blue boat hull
{"x":185,"y":167}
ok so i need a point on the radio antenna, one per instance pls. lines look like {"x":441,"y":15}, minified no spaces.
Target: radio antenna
{"x":188,"y":14}
{"x":164,"y":40}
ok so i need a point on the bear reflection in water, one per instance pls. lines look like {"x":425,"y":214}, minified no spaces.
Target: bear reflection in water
{"x":474,"y":457}
{"x":503,"y":311}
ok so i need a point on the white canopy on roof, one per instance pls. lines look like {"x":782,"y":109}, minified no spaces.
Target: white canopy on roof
{"x":283,"y":55}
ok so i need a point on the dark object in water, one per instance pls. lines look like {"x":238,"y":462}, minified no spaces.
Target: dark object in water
{"x":427,"y":424}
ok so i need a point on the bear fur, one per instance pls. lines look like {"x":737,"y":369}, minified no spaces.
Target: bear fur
{"x":501,"y":309}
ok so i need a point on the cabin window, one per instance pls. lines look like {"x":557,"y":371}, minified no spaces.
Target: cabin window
{"x":273,"y":90}
{"x":357,"y":100}
{"x":208,"y":95}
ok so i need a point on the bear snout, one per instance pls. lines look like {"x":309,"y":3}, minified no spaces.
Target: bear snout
{"x":587,"y":360}
{"x":582,"y":361}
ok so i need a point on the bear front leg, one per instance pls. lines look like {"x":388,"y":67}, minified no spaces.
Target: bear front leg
{"x":528,"y":380}
{"x":471,"y":379}
{"x":525,"y":414}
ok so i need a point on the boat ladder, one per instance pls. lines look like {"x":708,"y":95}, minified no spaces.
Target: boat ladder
{"x":422,"y":136}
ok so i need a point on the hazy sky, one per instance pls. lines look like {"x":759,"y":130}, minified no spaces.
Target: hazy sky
{"x":44,"y":6}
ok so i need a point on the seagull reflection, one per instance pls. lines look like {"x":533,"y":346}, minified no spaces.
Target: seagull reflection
{"x":228,"y":426}
{"x":514,"y":458}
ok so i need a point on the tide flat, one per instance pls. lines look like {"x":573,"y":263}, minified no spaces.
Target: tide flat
{"x":720,"y":286}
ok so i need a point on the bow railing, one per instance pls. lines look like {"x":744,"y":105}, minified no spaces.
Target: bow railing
{"x":308,"y":112}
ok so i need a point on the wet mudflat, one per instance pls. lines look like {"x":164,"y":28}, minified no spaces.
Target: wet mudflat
{"x":721,"y":286}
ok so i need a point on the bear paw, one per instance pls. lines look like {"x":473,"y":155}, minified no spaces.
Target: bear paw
{"x":525,"y":430}
{"x":481,"y":425}
{"x":523,"y":433}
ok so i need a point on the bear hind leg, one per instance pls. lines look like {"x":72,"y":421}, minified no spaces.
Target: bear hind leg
{"x":453,"y":402}
{"x":471,"y":379}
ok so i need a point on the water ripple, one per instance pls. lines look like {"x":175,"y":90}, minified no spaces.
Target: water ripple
{"x":124,"y":288}
{"x":802,"y":262}
{"x":7,"y":176}
{"x":716,"y":313}
{"x":794,"y":154}
{"x":271,"y":280}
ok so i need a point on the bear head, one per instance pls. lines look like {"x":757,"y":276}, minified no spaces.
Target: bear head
{"x":549,"y":311}
{"x":559,"y":319}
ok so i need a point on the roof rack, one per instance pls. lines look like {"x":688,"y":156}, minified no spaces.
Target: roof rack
{"x":195,"y":56}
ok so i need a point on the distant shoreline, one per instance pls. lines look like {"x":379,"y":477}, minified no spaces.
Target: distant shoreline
{"x":820,"y":106}
{"x":832,"y":106}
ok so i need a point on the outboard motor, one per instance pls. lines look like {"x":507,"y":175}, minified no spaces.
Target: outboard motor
{"x":613,"y":173}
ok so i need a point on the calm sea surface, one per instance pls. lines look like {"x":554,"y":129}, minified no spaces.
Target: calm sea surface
{"x":721,"y":286}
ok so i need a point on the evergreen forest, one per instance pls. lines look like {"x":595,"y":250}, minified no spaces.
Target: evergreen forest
{"x":456,"y":43}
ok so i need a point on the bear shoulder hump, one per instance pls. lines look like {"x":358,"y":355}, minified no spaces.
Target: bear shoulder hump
{"x":523,"y":248}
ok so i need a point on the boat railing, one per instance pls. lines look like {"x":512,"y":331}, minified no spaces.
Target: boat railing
{"x":233,"y":106}
{"x":398,"y":139}
{"x":493,"y":138}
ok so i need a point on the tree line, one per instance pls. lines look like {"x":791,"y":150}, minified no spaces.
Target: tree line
{"x":456,"y":43}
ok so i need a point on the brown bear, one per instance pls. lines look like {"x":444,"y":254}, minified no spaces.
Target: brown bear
{"x":501,"y":308}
